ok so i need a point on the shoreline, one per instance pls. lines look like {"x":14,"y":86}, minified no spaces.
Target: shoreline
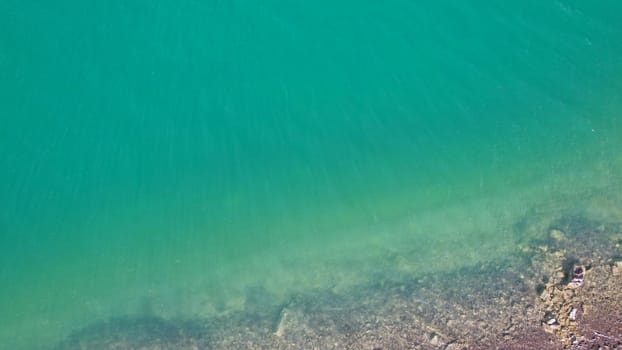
{"x":524,"y":301}
{"x":404,"y":262}
{"x":395,"y":255}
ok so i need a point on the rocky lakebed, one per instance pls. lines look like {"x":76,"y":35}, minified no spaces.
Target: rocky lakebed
{"x":561,"y":289}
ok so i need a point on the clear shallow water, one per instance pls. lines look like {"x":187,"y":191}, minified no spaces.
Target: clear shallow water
{"x":173,"y":156}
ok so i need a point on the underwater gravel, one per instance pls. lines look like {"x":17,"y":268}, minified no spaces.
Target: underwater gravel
{"x":561,"y":290}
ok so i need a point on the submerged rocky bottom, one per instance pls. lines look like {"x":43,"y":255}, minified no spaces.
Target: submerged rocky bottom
{"x":562,"y":289}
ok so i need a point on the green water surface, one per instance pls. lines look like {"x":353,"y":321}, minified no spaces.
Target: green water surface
{"x":170,"y":156}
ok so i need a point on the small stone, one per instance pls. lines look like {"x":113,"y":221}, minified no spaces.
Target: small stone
{"x":568,"y":294}
{"x":557,"y":235}
{"x":551,"y":321}
{"x":280,"y":328}
{"x":435,"y":341}
{"x":554,"y":326}
{"x":573,"y":315}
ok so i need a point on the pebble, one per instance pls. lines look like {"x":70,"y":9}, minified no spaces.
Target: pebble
{"x":435,"y":341}
{"x":557,"y":235}
{"x":573,"y":315}
{"x":280,"y":329}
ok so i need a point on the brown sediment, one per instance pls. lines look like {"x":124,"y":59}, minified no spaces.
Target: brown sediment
{"x":563,"y":291}
{"x":582,"y":301}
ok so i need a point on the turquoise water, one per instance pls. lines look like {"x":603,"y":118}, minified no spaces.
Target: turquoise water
{"x":172,"y":156}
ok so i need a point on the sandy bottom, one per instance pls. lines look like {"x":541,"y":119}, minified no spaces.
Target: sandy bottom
{"x":561,"y":288}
